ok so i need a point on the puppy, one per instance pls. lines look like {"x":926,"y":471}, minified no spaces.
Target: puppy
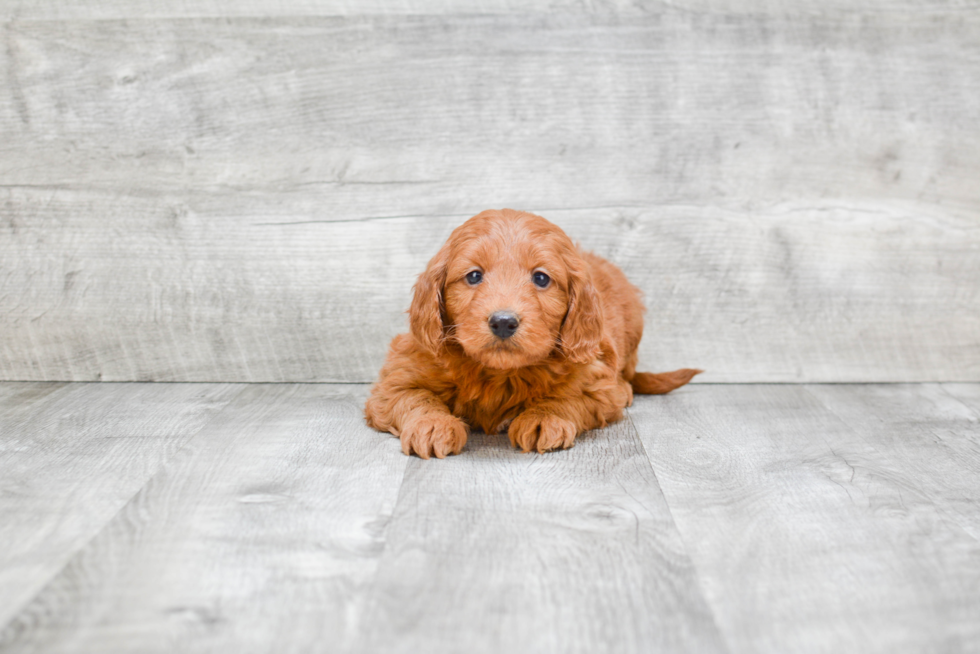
{"x":513,"y":327}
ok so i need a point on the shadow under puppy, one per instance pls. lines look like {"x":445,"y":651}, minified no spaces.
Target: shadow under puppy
{"x":513,"y":327}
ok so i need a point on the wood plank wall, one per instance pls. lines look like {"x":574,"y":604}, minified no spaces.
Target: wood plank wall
{"x":245,"y":191}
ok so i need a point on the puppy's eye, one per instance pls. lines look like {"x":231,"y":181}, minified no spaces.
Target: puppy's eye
{"x":474,"y":277}
{"x":540,"y":279}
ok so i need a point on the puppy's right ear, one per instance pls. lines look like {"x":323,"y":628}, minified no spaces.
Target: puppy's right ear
{"x":425,"y":316}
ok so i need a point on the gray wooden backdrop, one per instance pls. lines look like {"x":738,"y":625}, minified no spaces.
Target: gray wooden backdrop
{"x":219,"y":191}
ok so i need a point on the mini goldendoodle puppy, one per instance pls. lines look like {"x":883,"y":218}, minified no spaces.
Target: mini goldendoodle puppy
{"x":513,"y":327}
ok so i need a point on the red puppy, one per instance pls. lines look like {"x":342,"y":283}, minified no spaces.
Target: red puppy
{"x":513,"y":327}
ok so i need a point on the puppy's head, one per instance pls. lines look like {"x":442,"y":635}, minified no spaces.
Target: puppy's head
{"x":510,"y":288}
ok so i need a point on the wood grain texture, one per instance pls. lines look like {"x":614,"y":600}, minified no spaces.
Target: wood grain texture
{"x":71,"y":457}
{"x":791,"y":518}
{"x":254,"y":538}
{"x":807,"y":293}
{"x":924,"y":431}
{"x":121,"y":9}
{"x":498,"y":551}
{"x":814,"y":532}
{"x":249,"y":200}
{"x":968,"y":394}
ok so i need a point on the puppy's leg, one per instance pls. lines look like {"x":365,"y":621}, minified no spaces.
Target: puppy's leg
{"x":543,"y":427}
{"x":553,"y":423}
{"x":421,"y":421}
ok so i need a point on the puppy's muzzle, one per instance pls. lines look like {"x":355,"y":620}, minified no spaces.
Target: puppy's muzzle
{"x":503,"y":324}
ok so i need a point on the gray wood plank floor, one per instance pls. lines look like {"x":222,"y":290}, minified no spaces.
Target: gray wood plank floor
{"x":71,"y":456}
{"x":825,"y":518}
{"x":269,"y":518}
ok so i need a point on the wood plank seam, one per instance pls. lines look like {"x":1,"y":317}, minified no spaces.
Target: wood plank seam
{"x":251,"y":433}
{"x":974,"y":411}
{"x":5,"y":629}
{"x":687,"y":549}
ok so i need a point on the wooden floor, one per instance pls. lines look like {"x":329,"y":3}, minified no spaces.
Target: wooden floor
{"x":269,"y":518}
{"x":244,"y":191}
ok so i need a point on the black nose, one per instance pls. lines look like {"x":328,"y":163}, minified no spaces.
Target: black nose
{"x":503,"y":324}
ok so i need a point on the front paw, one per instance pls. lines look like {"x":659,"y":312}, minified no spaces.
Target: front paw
{"x":541,"y":432}
{"x":434,"y":434}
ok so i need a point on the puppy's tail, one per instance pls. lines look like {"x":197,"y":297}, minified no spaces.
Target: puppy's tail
{"x":650,"y":383}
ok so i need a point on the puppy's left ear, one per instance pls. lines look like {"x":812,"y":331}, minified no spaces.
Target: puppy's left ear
{"x":425,"y":316}
{"x":581,"y":331}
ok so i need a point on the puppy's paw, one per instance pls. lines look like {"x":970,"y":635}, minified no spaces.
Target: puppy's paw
{"x":434,"y":434}
{"x":541,"y":432}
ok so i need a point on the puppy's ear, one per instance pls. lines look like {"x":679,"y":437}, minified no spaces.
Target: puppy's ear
{"x":425,"y":316}
{"x":582,"y":329}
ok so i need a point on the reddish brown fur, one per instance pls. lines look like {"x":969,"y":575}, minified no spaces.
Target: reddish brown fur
{"x":570,"y":367}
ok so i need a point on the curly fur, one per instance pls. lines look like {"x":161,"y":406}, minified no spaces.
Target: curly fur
{"x":569,"y":367}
